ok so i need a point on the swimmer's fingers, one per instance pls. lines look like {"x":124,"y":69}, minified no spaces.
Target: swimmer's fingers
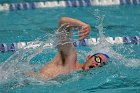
{"x":86,"y":27}
{"x":84,"y":34}
{"x":82,"y":37}
{"x":85,"y":31}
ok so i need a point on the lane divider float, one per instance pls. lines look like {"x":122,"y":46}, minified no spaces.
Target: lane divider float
{"x":68,"y":3}
{"x":5,"y":47}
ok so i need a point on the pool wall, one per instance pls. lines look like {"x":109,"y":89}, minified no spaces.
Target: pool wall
{"x":66,"y":3}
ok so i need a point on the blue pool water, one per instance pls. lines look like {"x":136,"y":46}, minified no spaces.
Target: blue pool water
{"x":121,"y":75}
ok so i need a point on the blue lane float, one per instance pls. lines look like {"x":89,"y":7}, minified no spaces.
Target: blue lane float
{"x":78,"y":3}
{"x":86,"y":42}
{"x":8,"y":47}
{"x":131,"y":40}
{"x":81,"y":43}
{"x":67,"y":3}
{"x":134,"y":2}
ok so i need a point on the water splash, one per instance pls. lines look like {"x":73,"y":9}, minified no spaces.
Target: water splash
{"x":103,"y":45}
{"x":17,"y":65}
{"x":14,"y":67}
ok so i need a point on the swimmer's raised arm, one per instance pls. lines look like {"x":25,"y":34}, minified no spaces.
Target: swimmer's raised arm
{"x":66,"y":49}
{"x":85,"y":27}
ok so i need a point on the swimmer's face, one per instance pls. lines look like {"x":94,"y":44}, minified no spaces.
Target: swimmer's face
{"x":96,"y":60}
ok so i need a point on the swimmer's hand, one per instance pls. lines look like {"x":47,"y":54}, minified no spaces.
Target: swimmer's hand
{"x":84,"y":32}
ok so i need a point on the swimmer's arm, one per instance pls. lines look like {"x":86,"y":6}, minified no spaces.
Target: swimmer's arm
{"x":36,"y":75}
{"x":67,"y":51}
{"x":84,"y":32}
{"x":65,"y":20}
{"x":67,"y":55}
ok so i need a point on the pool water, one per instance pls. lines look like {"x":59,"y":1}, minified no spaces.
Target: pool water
{"x":121,"y":75}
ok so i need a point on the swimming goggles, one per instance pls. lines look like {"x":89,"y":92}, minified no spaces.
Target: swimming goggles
{"x":97,"y":58}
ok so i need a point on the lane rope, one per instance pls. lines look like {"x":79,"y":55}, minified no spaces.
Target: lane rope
{"x":6,"y":47}
{"x":68,"y":3}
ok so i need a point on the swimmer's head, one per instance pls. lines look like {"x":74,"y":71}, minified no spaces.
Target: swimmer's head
{"x":96,"y":60}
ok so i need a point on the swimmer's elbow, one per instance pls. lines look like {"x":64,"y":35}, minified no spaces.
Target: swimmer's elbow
{"x":62,"y":20}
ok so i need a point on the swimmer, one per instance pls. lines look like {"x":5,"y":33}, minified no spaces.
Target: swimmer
{"x":66,"y":60}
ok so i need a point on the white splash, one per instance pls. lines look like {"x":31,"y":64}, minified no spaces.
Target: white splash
{"x":15,"y":67}
{"x":104,"y":46}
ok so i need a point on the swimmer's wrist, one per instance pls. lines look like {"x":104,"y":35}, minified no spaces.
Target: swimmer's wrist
{"x":82,"y":24}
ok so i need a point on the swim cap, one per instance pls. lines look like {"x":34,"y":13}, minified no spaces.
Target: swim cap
{"x":103,"y":54}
